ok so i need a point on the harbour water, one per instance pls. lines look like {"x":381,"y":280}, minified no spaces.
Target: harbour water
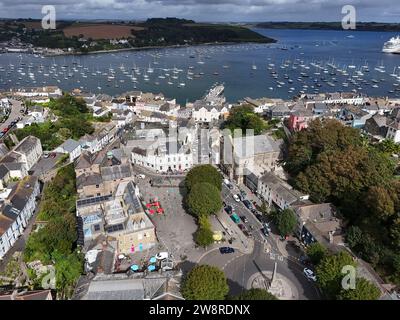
{"x":301,"y":61}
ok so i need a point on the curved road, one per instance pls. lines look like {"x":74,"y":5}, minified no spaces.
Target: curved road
{"x":239,"y":268}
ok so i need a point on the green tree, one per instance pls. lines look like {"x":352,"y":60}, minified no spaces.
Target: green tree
{"x":68,"y":270}
{"x":205,"y":282}
{"x":380,"y":202}
{"x":243,"y":117}
{"x":365,"y":290}
{"x":203,"y":173}
{"x":204,"y":235}
{"x":329,"y":272}
{"x":354,"y":237}
{"x":285,"y":222}
{"x":255,"y":294}
{"x":204,"y":199}
{"x":316,"y":252}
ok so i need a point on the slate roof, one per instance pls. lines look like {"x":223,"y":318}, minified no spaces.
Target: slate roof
{"x":115,"y":172}
{"x":22,"y":191}
{"x":70,"y":145}
{"x":27,"y":144}
{"x":88,"y":180}
{"x":244,"y":146}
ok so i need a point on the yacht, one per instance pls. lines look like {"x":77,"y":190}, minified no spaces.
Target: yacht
{"x":392,"y":46}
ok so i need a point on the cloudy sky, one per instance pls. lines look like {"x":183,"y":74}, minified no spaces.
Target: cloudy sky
{"x":206,"y":10}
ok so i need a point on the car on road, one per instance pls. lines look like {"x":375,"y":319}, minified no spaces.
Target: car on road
{"x":309,"y":274}
{"x":265,"y":232}
{"x":235,"y":218}
{"x":248,"y":205}
{"x":241,"y":227}
{"x":229,"y":209}
{"x":248,"y":234}
{"x":162,"y":255}
{"x":228,"y":184}
{"x":225,"y":250}
{"x":141,"y":176}
{"x":266,"y":226}
{"x":244,"y":219}
{"x":237,"y":199}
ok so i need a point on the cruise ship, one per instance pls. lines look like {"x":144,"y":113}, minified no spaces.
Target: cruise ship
{"x":392,"y":46}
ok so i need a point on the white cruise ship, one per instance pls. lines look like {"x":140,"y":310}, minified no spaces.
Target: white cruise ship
{"x":392,"y":46}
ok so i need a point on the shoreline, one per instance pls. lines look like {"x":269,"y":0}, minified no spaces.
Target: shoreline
{"x":152,"y":48}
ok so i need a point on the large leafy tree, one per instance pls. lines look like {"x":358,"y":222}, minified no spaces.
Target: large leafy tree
{"x":329,"y":272}
{"x":243,"y":117}
{"x":255,"y":294}
{"x":316,"y":252}
{"x":205,"y":282}
{"x":285,"y":222}
{"x":204,"y":235}
{"x":364,"y":290}
{"x":204,"y":199}
{"x":203,"y":173}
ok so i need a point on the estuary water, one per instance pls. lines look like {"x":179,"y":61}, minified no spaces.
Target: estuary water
{"x":301,"y":61}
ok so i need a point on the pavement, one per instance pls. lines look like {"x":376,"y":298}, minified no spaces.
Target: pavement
{"x":44,"y":165}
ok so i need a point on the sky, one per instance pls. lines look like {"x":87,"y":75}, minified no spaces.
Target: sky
{"x":206,"y":10}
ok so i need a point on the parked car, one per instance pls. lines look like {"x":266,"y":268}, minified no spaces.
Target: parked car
{"x":248,"y":205}
{"x":265,"y":232}
{"x":141,"y":176}
{"x":1,"y":134}
{"x":259,"y":217}
{"x":235,"y":218}
{"x":162,"y":255}
{"x":243,"y":194}
{"x":247,"y":233}
{"x":228,"y":184}
{"x":237,"y":199}
{"x":266,"y":226}
{"x":241,"y":227}
{"x":224,"y":203}
{"x":244,"y":219}
{"x":309,"y":274}
{"x":53,"y":155}
{"x":225,"y":250}
{"x":229,"y":209}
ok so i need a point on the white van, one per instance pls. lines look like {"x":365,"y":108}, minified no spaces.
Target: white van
{"x":228,"y":183}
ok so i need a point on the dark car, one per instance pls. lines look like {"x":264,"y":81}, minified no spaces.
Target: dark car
{"x":248,"y":234}
{"x":244,"y":219}
{"x":225,"y":250}
{"x":248,"y":205}
{"x":259,"y":217}
{"x":241,"y":227}
{"x":229,"y":209}
{"x":265,"y":232}
{"x":254,"y":211}
{"x":224,"y":203}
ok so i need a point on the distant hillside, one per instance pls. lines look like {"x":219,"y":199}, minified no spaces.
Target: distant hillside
{"x":360,"y":26}
{"x":156,"y":32}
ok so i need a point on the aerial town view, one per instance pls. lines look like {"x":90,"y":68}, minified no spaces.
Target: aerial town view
{"x":199,"y":150}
